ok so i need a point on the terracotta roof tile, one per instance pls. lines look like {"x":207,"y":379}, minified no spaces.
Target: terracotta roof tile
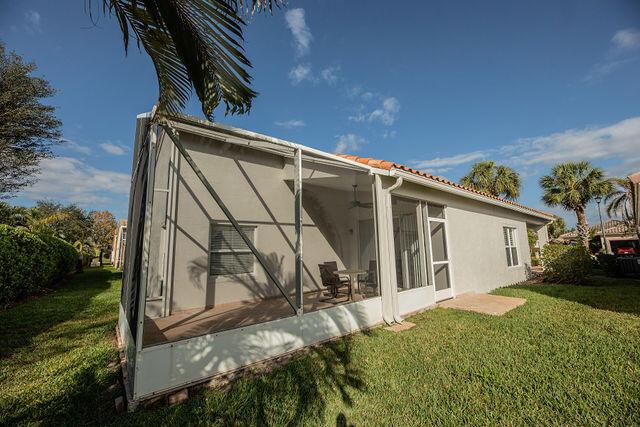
{"x":383,"y":164}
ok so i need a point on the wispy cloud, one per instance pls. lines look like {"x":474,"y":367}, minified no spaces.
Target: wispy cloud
{"x":73,"y":181}
{"x":349,"y":143}
{"x":389,"y":134}
{"x":627,"y":39}
{"x":114,"y":148}
{"x":386,"y":113}
{"x":32,"y":22}
{"x":291,"y":124}
{"x":69,"y":145}
{"x":446,"y":162}
{"x":617,"y":142}
{"x":330,"y":75}
{"x":623,"y":48}
{"x":302,"y":37}
{"x":300,"y":73}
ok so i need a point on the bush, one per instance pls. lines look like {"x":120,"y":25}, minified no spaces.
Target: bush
{"x":608,"y":264}
{"x":31,"y":262}
{"x":566,"y":263}
{"x":535,"y":261}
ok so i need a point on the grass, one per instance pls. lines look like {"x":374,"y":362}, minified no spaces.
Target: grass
{"x":570,"y":355}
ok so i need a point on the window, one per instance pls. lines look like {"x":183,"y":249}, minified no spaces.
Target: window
{"x":510,"y":246}
{"x":228,"y":253}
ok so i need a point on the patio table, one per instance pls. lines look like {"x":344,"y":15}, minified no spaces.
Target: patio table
{"x":352,"y":274}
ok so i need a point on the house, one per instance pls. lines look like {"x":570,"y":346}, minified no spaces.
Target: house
{"x":243,"y":247}
{"x":616,"y":234}
{"x":119,"y":244}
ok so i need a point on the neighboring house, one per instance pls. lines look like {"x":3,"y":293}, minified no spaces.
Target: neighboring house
{"x":119,"y":244}
{"x":618,"y":234}
{"x":197,"y":301}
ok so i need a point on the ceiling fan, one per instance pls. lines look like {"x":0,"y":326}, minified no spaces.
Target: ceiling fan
{"x":356,"y":203}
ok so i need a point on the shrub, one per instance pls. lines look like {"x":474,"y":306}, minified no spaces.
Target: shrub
{"x":30,"y":262}
{"x":566,"y":263}
{"x":607,"y":263}
{"x":535,"y":261}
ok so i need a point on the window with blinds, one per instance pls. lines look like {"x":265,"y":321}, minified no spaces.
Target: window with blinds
{"x":228,"y":253}
{"x":510,"y":246}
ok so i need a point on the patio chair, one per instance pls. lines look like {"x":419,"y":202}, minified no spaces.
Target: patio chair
{"x":371,"y":278}
{"x":331,"y":281}
{"x":333,"y":268}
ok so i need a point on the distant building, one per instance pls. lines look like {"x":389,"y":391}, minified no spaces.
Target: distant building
{"x":618,"y":234}
{"x":119,"y":244}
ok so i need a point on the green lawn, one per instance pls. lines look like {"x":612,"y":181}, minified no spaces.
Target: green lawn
{"x":570,"y":355}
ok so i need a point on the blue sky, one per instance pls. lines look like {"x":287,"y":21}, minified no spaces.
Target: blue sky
{"x":436,"y":85}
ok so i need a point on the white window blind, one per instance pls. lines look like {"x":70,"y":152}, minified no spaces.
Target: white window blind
{"x":228,"y":253}
{"x":510,"y":246}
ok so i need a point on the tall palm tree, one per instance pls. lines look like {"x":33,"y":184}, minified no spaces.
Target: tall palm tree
{"x":620,"y":200}
{"x":500,"y":181}
{"x":194,"y":44}
{"x":572,"y":185}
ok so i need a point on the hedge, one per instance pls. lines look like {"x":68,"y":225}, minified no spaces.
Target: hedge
{"x":566,"y":263}
{"x":31,"y":262}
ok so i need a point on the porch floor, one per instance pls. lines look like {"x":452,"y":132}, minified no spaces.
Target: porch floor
{"x":496,"y":305}
{"x":195,"y":322}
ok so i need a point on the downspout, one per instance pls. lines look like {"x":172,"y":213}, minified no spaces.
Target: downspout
{"x":394,"y":285}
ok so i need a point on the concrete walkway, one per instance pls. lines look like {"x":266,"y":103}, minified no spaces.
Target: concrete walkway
{"x":495,"y":305}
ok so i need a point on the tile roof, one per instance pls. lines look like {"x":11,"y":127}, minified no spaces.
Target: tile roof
{"x":612,"y":226}
{"x":384,"y":164}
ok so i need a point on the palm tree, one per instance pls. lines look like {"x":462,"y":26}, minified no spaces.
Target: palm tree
{"x":500,"y":181}
{"x":620,"y":200}
{"x":557,"y":227}
{"x":572,"y":185}
{"x":194,"y":44}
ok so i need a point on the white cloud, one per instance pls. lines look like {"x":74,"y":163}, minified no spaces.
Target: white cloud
{"x":623,"y":45}
{"x":602,"y":69}
{"x":300,"y":73}
{"x":67,"y":144}
{"x":301,"y":33}
{"x":291,"y":124}
{"x":115,"y":149}
{"x":389,"y":134}
{"x":445,"y":162}
{"x":73,"y":181}
{"x":330,"y":75}
{"x":387,"y":113}
{"x":32,"y":22}
{"x":619,"y":142}
{"x":349,"y":143}
{"x":627,"y":39}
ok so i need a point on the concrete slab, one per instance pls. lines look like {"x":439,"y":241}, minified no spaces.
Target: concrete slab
{"x":399,"y":327}
{"x":495,"y":305}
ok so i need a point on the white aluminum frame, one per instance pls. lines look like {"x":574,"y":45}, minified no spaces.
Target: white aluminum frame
{"x":449,"y":292}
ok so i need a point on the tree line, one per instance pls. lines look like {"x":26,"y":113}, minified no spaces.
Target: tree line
{"x":89,"y":231}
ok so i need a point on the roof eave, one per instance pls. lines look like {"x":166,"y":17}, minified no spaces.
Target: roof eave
{"x":467,"y":194}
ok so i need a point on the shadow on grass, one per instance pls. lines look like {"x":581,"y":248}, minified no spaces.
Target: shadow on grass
{"x":297,"y":392}
{"x":20,"y":324}
{"x":621,"y":295}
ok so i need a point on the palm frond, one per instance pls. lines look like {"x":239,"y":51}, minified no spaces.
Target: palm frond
{"x":194,"y":45}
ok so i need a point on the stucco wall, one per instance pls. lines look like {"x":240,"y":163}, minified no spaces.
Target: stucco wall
{"x":477,"y":250}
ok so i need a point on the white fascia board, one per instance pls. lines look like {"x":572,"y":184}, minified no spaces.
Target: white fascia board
{"x":449,"y":189}
{"x":237,"y":135}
